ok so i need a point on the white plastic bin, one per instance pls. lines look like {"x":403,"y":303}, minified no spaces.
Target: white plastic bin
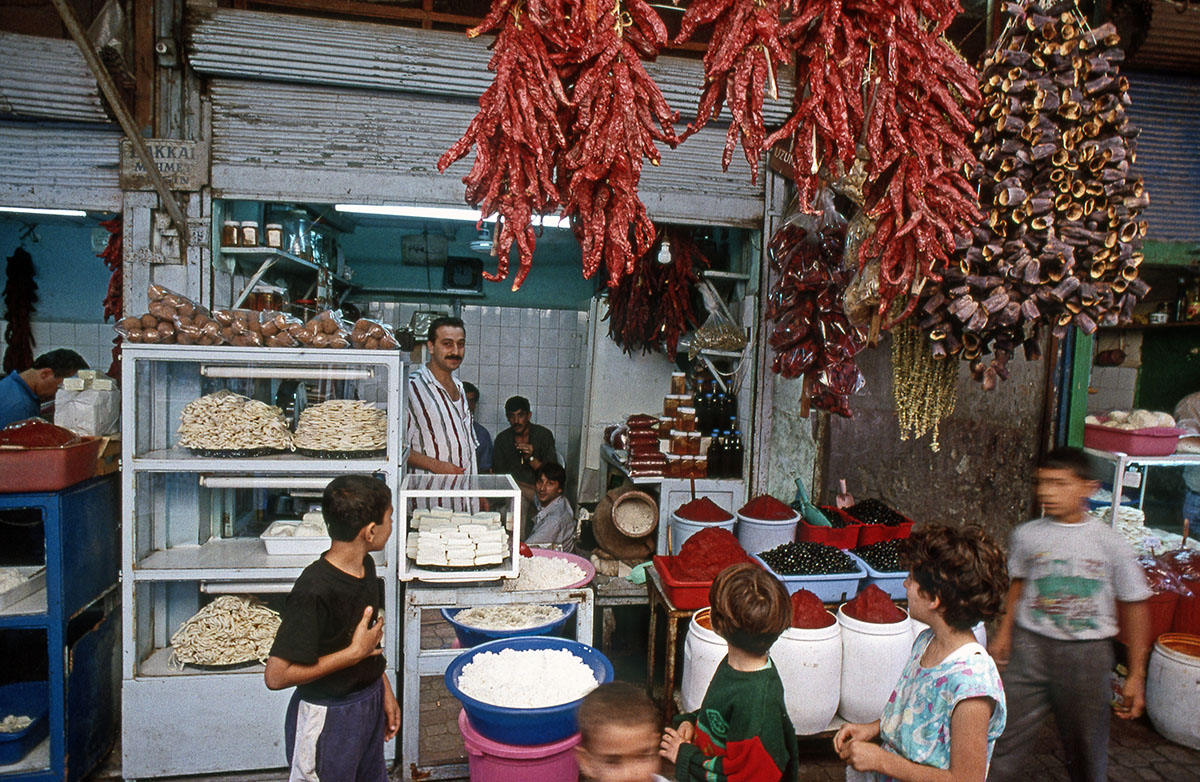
{"x":757,"y":535}
{"x":1173,"y":688}
{"x":682,"y":529}
{"x":873,"y":657}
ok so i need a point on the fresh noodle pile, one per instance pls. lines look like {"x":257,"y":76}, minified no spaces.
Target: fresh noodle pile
{"x":342,"y":425}
{"x":229,"y":421}
{"x":227,"y":631}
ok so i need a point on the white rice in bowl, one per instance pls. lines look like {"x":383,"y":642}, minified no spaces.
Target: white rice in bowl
{"x":508,"y":617}
{"x":503,"y":678}
{"x":545,"y":573}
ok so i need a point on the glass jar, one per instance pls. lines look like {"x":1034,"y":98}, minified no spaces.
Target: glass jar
{"x":691,"y":443}
{"x":678,"y":383}
{"x":674,"y":468}
{"x":701,"y":466}
{"x":672,"y":403}
{"x":249,"y":234}
{"x":679,"y":443}
{"x":665,"y":424}
{"x":273,"y":236}
{"x":685,"y":419}
{"x":229,"y":233}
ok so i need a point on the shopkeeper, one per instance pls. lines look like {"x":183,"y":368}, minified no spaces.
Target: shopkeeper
{"x":440,"y":436}
{"x":523,"y":447}
{"x":22,"y":393}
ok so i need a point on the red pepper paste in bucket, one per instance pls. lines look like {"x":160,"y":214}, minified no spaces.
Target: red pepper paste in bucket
{"x":808,"y":612}
{"x":873,"y":605}
{"x":767,"y":508}
{"x":702,"y":509}
{"x":707,"y":553}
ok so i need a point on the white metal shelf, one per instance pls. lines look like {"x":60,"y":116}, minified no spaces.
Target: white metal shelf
{"x":33,"y":605}
{"x":38,"y":759}
{"x":231,"y":559}
{"x":158,"y":664}
{"x":179,"y":460}
{"x":1123,"y":461}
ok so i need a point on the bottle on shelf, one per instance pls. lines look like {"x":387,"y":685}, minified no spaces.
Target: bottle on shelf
{"x":716,"y":457}
{"x":734,"y":456}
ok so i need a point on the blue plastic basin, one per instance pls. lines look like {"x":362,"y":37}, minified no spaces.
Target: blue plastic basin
{"x":469,"y":636}
{"x":525,"y":727}
{"x":29,"y":699}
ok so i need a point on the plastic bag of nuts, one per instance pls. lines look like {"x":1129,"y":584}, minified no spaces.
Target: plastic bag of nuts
{"x":326,"y":330}
{"x":157,"y":324}
{"x":370,"y":334}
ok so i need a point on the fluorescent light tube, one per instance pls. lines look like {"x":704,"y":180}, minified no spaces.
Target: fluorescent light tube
{"x":245,"y":587}
{"x":31,"y":210}
{"x":286,"y":373}
{"x":265,"y":482}
{"x":441,"y":213}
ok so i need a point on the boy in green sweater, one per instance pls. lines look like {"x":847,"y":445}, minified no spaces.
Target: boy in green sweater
{"x":741,"y":732}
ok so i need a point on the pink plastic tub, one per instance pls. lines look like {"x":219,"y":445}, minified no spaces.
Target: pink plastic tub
{"x":491,"y":761}
{"x":1155,"y":441}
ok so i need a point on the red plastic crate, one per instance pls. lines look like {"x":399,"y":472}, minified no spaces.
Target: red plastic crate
{"x":682,"y":594}
{"x":48,"y":469}
{"x":842,"y":537}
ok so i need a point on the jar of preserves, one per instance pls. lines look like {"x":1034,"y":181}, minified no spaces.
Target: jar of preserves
{"x":273,"y":235}
{"x":679,"y":443}
{"x":249,"y":236}
{"x":229,"y":233}
{"x":678,"y":383}
{"x":685,"y":418}
{"x":691,"y":443}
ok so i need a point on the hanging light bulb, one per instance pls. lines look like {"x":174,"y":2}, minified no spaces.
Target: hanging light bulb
{"x":664,"y":252}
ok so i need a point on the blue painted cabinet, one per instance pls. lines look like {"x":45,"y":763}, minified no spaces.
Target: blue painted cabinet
{"x":75,"y":619}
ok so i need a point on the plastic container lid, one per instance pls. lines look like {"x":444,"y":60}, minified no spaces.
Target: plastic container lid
{"x":688,"y":410}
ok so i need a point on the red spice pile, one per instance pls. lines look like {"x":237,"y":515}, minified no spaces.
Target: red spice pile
{"x":707,"y":553}
{"x":36,"y":433}
{"x":873,"y":605}
{"x":704,"y":510}
{"x":808,"y":612}
{"x":767,"y":508}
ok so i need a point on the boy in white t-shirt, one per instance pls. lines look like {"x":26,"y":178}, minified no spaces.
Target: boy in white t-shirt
{"x":1074,"y":582}
{"x":619,"y":731}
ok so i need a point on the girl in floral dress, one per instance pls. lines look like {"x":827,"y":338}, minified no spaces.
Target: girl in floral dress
{"x":947,"y":710}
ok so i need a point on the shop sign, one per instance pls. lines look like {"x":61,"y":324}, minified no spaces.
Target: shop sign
{"x":183,"y":164}
{"x":780,"y":159}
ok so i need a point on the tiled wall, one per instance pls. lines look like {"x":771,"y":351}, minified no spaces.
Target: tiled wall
{"x":1111,"y":388}
{"x":535,"y":353}
{"x":93,"y":341}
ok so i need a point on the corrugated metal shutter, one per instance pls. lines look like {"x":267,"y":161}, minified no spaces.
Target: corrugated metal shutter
{"x":252,"y":45}
{"x":46,"y":78}
{"x":1173,"y":41}
{"x":59,"y":165}
{"x":1165,"y":108}
{"x":273,"y":140}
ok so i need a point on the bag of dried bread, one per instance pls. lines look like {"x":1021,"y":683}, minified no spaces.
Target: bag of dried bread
{"x":326,"y":330}
{"x":157,"y":325}
{"x":369,"y":334}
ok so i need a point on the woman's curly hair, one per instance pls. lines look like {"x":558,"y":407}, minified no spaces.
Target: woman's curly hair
{"x":962,"y":567}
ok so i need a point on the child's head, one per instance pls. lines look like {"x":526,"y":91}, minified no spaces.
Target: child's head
{"x":1064,"y":482}
{"x":961,"y":568}
{"x":549,"y":480}
{"x":750,"y":608}
{"x":354,"y":503}
{"x":619,"y":731}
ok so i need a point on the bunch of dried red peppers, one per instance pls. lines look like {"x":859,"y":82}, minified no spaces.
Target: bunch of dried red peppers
{"x":651,"y":307}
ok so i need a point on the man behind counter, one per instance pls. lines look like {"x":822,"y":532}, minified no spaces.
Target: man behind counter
{"x":22,"y":393}
{"x":523,"y":447}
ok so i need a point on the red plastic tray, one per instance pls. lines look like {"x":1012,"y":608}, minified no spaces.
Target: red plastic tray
{"x":48,"y":469}
{"x":842,"y":537}
{"x":1156,"y":441}
{"x":875,"y":533}
{"x":682,"y":594}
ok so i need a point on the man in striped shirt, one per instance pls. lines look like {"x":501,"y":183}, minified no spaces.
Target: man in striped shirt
{"x":440,"y":436}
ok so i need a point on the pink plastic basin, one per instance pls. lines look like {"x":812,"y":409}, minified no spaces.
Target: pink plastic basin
{"x":491,"y":761}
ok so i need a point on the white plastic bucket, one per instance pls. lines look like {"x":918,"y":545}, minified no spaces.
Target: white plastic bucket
{"x":809,"y":664}
{"x":979,"y":631}
{"x":682,"y":529}
{"x":873,"y":657}
{"x":1173,"y":688}
{"x":758,"y":535}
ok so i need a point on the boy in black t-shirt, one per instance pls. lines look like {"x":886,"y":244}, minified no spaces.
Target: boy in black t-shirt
{"x":328,"y":648}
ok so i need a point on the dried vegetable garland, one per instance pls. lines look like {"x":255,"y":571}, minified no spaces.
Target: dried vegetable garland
{"x":1061,"y":245}
{"x":744,"y":53}
{"x":518,"y":133}
{"x":651,"y":307}
{"x":925,"y":387}
{"x":20,"y":302}
{"x":114,"y":296}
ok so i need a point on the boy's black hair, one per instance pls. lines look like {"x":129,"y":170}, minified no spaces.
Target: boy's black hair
{"x":750,"y":607}
{"x":616,"y":703}
{"x":64,"y":362}
{"x":1068,"y":458}
{"x":552,"y":471}
{"x":351,"y":502}
{"x":961,"y":566}
{"x":516,"y":404}
{"x":445,"y":320}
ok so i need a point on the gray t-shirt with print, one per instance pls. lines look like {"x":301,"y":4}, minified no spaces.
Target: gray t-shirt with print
{"x":1073,"y":575}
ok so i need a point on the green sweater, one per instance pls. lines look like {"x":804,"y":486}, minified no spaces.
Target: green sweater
{"x":743,"y":733}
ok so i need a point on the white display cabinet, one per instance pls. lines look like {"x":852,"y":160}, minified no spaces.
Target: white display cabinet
{"x":191,"y":533}
{"x":462,"y":495}
{"x":1129,"y":472}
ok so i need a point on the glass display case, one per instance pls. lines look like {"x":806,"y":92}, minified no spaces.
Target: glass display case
{"x":220,"y":446}
{"x":1129,"y":478}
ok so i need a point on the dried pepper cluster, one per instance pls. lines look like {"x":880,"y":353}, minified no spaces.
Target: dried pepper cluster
{"x":925,"y":388}
{"x":1061,"y":243}
{"x":744,"y":53}
{"x":812,"y":336}
{"x":651,"y":307}
{"x":566,"y":123}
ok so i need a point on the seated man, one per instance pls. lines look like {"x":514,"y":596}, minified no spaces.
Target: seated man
{"x":554,"y":524}
{"x":523,"y":447}
{"x":22,"y":393}
{"x":483,"y":452}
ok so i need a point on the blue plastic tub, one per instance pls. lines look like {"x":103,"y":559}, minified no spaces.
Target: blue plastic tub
{"x":473,"y":636}
{"x":525,"y":727}
{"x":890,"y":582}
{"x":831,"y":588}
{"x":29,"y":699}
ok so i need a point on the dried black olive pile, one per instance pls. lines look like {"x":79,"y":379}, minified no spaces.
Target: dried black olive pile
{"x":835,"y":519}
{"x":883,"y":556}
{"x":808,"y":559}
{"x":875,"y":512}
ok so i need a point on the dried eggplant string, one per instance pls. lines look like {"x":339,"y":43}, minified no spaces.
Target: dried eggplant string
{"x":228,"y":631}
{"x":342,"y":425}
{"x":228,"y":421}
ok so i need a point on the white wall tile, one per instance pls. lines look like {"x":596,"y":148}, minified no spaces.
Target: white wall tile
{"x":530,"y":319}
